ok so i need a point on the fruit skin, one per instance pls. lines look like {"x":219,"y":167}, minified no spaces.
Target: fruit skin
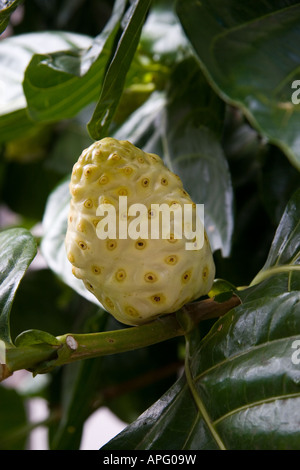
{"x":135,"y":280}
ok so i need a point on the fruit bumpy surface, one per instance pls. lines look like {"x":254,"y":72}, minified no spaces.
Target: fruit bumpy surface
{"x":135,"y":280}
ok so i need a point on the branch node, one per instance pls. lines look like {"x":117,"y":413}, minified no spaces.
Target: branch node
{"x":71,"y":342}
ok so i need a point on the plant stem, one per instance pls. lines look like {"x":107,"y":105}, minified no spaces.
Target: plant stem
{"x":72,"y":347}
{"x":117,"y":341}
{"x":27,"y":357}
{"x":262,"y":275}
{"x":164,"y":328}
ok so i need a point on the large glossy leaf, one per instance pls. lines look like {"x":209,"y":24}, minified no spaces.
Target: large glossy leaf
{"x":18,"y":249}
{"x":15,"y":54}
{"x":240,"y":389}
{"x":241,"y":386}
{"x":284,"y":254}
{"x":58,"y":85}
{"x":193,"y":123}
{"x":115,"y":77}
{"x":142,"y":123}
{"x":250,"y":53}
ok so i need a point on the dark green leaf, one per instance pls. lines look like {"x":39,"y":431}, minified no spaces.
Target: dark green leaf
{"x":194,"y":117}
{"x":199,"y":161}
{"x":15,"y":54}
{"x":250,"y":54}
{"x":285,"y":248}
{"x":18,"y":249}
{"x":29,"y":337}
{"x":242,"y":381}
{"x":242,"y":386}
{"x":191,"y":102}
{"x":58,"y":85}
{"x":192,"y":149}
{"x":114,"y":79}
{"x":284,"y":255}
{"x":67,"y":146}
{"x":220,"y":286}
{"x":141,"y":124}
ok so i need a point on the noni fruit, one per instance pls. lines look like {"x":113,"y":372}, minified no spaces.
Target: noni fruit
{"x":155,"y":264}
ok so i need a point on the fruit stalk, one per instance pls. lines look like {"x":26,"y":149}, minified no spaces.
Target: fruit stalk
{"x":40,"y":358}
{"x":164,"y":328}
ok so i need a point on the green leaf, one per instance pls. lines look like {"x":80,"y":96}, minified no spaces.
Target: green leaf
{"x":114,"y":79}
{"x":18,"y":248}
{"x":15,"y":54}
{"x":7,"y":7}
{"x":55,"y":222}
{"x":220,"y":286}
{"x":251,"y":57}
{"x":284,"y":254}
{"x":58,"y":85}
{"x":67,"y":146}
{"x":240,"y":390}
{"x":194,"y":120}
{"x":29,"y":337}
{"x":142,"y":122}
{"x":199,"y":161}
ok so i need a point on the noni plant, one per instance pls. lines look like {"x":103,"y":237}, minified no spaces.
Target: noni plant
{"x":114,"y":114}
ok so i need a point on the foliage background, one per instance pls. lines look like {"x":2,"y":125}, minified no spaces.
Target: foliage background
{"x":208,"y":87}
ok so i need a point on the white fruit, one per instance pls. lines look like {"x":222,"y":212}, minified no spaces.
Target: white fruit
{"x":139,"y":279}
